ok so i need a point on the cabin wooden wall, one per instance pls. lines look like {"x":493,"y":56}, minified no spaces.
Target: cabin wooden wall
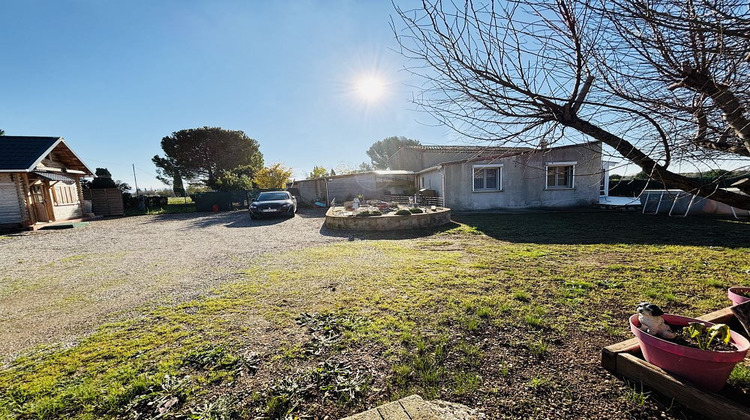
{"x":10,"y":211}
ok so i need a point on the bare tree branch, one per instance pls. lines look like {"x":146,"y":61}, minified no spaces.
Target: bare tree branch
{"x":638,"y":75}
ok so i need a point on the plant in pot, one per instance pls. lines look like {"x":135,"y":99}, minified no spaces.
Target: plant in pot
{"x":701,"y":352}
{"x":739,"y":295}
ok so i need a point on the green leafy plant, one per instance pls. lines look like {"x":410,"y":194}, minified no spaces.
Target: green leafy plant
{"x":704,"y":336}
{"x":403,"y":212}
{"x":416,"y":210}
{"x":369,"y":213}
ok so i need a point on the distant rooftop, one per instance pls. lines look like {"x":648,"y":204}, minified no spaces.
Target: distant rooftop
{"x":468,"y":149}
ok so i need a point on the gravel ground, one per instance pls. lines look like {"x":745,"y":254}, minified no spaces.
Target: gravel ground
{"x":56,"y":285}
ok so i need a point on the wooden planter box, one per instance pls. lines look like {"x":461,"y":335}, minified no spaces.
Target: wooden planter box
{"x":625,"y":359}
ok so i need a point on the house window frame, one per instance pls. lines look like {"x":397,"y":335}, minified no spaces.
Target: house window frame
{"x":64,"y":195}
{"x":475,"y":168}
{"x":572,"y":183}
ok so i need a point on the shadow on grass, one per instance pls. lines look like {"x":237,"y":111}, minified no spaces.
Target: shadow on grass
{"x":610,"y":228}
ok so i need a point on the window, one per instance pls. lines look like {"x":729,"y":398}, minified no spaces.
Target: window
{"x":560,"y":175}
{"x":65,"y":194}
{"x":488,"y":178}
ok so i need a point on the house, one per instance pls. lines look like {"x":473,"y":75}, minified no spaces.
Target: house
{"x":476,"y":178}
{"x":480,"y":178}
{"x":39,"y":181}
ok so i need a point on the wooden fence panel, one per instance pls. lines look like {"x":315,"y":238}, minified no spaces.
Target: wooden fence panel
{"x":105,"y":201}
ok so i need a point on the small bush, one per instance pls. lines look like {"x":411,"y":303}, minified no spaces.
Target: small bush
{"x":403,"y":212}
{"x":369,"y":213}
{"x":416,"y":210}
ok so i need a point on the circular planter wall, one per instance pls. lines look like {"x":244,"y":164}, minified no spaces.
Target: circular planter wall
{"x":387,"y":222}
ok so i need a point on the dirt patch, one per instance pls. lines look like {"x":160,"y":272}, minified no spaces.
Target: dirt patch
{"x":58,"y":285}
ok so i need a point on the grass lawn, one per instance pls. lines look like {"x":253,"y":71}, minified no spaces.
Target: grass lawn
{"x":507,"y":313}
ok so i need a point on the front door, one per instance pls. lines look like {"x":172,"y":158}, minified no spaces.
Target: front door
{"x":40,"y":204}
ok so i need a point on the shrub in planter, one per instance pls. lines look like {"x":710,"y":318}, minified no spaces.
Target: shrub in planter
{"x":416,"y":210}
{"x":369,"y":213}
{"x":403,"y":212}
{"x":708,"y":369}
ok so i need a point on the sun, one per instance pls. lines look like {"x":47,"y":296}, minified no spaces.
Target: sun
{"x":370,"y":88}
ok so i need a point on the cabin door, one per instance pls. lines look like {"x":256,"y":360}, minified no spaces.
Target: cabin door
{"x":40,"y":204}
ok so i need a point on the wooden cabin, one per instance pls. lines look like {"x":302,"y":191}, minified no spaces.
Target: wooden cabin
{"x":39,"y":181}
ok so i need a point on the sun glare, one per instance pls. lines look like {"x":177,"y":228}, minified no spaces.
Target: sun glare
{"x":370,"y":88}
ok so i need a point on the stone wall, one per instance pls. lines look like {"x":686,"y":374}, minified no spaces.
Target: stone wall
{"x":387,"y":222}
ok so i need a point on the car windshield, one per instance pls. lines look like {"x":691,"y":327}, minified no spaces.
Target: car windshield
{"x":272,"y":196}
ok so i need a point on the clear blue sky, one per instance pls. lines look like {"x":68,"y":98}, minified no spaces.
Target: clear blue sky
{"x":114,"y":77}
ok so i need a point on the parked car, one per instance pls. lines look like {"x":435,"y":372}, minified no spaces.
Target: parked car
{"x":273,"y":203}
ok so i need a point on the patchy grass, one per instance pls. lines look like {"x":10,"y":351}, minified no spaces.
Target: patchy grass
{"x":497,"y":312}
{"x":636,"y":395}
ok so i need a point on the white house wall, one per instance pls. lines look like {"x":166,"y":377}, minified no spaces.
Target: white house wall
{"x":524,"y":181}
{"x":10,"y":211}
{"x":432,"y":180}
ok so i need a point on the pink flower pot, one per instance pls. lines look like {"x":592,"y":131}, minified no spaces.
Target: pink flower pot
{"x":708,"y":370}
{"x":737,"y":298}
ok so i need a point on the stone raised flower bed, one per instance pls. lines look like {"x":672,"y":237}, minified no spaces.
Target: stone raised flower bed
{"x":340,"y":219}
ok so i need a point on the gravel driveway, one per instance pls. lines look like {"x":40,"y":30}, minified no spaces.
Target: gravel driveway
{"x":56,"y":285}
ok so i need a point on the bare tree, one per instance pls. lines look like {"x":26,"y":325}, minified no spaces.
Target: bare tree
{"x":659,"y":81}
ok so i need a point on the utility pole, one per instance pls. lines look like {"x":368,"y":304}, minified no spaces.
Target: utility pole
{"x":136,"y":181}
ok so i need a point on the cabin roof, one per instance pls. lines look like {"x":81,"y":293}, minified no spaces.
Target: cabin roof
{"x":24,"y":153}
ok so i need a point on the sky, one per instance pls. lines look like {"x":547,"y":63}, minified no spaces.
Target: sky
{"x":114,"y":77}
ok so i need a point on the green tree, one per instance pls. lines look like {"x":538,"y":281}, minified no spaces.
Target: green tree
{"x":382,"y":150}
{"x":274,"y":176}
{"x":234,"y":181}
{"x":204,"y":154}
{"x":104,"y":180}
{"x":364,"y":167}
{"x":238,"y":179}
{"x":318,"y":172}
{"x":168,"y":173}
{"x":2,"y":132}
{"x":347,"y":168}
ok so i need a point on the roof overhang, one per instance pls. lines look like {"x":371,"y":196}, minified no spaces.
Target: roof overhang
{"x":55,"y":176}
{"x":430,"y":169}
{"x":79,"y":167}
{"x":61,"y":143}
